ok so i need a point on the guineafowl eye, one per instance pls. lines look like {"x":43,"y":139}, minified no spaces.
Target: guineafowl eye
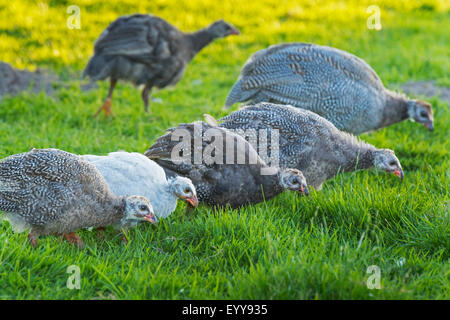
{"x":423,"y":113}
{"x":143,"y":208}
{"x":295,"y":180}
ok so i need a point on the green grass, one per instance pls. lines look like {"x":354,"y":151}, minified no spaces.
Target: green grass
{"x":288,"y":248}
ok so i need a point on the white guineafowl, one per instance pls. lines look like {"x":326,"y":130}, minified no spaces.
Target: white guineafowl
{"x":133,"y":173}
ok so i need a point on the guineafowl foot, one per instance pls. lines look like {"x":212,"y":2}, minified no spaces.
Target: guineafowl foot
{"x":106,"y":107}
{"x":74,"y":239}
{"x":99,"y":232}
{"x":146,"y":103}
{"x":124,"y":238}
{"x":32,"y":238}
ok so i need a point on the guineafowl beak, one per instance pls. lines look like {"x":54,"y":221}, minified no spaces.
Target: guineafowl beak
{"x":193,"y":201}
{"x":304,"y":190}
{"x":235,"y":32}
{"x":151,"y":218}
{"x":429,"y":126}
{"x":399,"y":173}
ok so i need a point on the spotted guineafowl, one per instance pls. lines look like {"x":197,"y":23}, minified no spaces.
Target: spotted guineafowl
{"x":332,"y":83}
{"x":309,"y":142}
{"x":147,"y":50}
{"x":55,"y":192}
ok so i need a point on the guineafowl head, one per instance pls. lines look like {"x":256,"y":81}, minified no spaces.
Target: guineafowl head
{"x":184,"y":189}
{"x":386,"y":160}
{"x":293,"y":179}
{"x":221,"y":28}
{"x":421,"y":112}
{"x":138,"y":208}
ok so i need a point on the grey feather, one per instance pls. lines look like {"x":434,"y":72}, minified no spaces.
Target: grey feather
{"x":309,"y":142}
{"x":56,"y":192}
{"x":333,"y":83}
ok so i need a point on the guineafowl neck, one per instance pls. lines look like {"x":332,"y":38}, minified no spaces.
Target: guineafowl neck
{"x":361,"y":159}
{"x":354,"y":155}
{"x":395,"y":109}
{"x":167,"y":202}
{"x":271,"y":185}
{"x":114,"y":211}
{"x":200,"y":39}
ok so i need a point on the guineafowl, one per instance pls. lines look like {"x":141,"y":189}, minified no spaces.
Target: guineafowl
{"x":147,"y":50}
{"x":51,"y":191}
{"x":332,"y":83}
{"x":310,"y":143}
{"x":224,"y":168}
{"x":134,"y":174}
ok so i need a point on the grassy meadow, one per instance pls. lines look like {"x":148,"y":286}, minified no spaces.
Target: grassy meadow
{"x":288,"y":248}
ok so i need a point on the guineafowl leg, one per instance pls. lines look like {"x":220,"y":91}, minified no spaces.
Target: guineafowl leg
{"x":145,"y":96}
{"x":32,"y":238}
{"x":74,"y":239}
{"x":124,"y":237}
{"x":106,"y":107}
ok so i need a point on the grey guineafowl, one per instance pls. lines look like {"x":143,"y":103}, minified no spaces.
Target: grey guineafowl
{"x":147,"y":50}
{"x":55,"y":192}
{"x":309,"y":142}
{"x":333,"y":83}
{"x":224,"y":168}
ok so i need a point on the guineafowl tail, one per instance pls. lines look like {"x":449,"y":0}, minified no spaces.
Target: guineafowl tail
{"x":238,"y":95}
{"x":99,"y":67}
{"x":209,"y":119}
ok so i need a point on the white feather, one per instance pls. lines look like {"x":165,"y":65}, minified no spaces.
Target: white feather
{"x":17,"y":223}
{"x":134,"y":174}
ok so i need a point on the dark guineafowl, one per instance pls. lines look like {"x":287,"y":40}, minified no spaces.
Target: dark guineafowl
{"x":147,"y":50}
{"x":333,"y":83}
{"x":229,"y":173}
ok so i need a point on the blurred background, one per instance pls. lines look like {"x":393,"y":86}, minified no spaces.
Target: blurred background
{"x":413,"y":41}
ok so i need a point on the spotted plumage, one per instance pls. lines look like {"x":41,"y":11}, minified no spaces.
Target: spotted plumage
{"x":332,"y":83}
{"x":229,"y":174}
{"x":147,"y":50}
{"x":56,"y":192}
{"x":311,"y":143}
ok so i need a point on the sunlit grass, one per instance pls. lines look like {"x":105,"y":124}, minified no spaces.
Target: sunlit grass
{"x":290,"y":247}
